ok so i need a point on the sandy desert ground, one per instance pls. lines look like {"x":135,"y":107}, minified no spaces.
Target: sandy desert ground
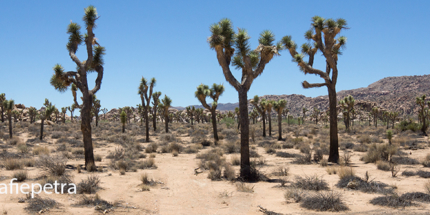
{"x":177,"y":187}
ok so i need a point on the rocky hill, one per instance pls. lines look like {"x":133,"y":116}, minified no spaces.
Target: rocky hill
{"x":391,"y":93}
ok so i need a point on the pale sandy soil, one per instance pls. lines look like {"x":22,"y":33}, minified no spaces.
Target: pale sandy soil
{"x":183,"y":192}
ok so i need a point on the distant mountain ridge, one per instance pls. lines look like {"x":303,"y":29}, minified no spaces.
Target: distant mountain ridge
{"x":391,"y":93}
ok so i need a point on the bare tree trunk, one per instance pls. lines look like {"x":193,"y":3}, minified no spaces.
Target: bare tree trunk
{"x":192,"y":119}
{"x":280,"y":126}
{"x":147,"y":123}
{"x":264,"y":124}
{"x":270,"y":123}
{"x":2,"y":113}
{"x":154,"y":119}
{"x":214,"y":125}
{"x":10,"y":126}
{"x":166,"y":123}
{"x":245,"y":167}
{"x":86,"y":131}
{"x":41,"y":128}
{"x":123,"y":127}
{"x":334,"y":142}
{"x":97,"y":120}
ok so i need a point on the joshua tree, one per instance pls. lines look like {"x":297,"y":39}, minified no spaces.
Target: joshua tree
{"x":214,"y":93}
{"x":2,"y":99}
{"x":63,"y":111}
{"x":253,"y":115}
{"x":61,"y":80}
{"x":261,"y":106}
{"x":252,"y":63}
{"x":190,"y":113}
{"x":96,"y":109}
{"x":347,"y":104}
{"x":49,"y":109}
{"x":8,"y":106}
{"x":165,"y":105}
{"x":104,"y":110}
{"x":72,"y":109}
{"x":389,"y":136}
{"x":316,"y":114}
{"x":146,"y":99}
{"x":375,"y":112}
{"x":423,"y":113}
{"x":393,"y":116}
{"x":323,"y":33}
{"x":56,"y":113}
{"x":269,"y":106}
{"x":279,"y":106}
{"x":304,"y":110}
{"x":16,"y":115}
{"x":32,"y":112}
{"x":156,"y":98}
{"x":123,"y":120}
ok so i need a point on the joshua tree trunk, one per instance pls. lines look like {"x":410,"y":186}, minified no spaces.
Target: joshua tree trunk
{"x":86,"y":129}
{"x":280,"y":126}
{"x":269,"y":116}
{"x":245,"y":167}
{"x":166,"y":123}
{"x":2,"y":113}
{"x":97,"y":120}
{"x":334,"y":144}
{"x":123,"y":127}
{"x":147,"y":123}
{"x":264,"y":124}
{"x":41,"y":128}
{"x":214,"y":125}
{"x":154,"y":119}
{"x":10,"y":125}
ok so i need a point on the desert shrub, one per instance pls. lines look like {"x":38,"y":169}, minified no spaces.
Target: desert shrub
{"x":75,"y":143}
{"x":404,"y":160}
{"x":331,"y":170}
{"x":96,"y":201}
{"x":62,"y":148}
{"x":324,"y":201}
{"x":379,"y":152}
{"x":365,"y":138}
{"x":235,"y":160}
{"x":347,"y":145}
{"x":231,"y":147}
{"x":426,"y":161}
{"x":310,"y":183}
{"x":346,"y":172}
{"x":366,"y":186}
{"x":409,"y":125}
{"x":20,"y":175}
{"x":198,"y":135}
{"x":416,"y":196}
{"x":98,"y":158}
{"x":149,"y":163}
{"x":303,"y":159}
{"x":39,"y":150}
{"x":57,"y":134}
{"x":392,"y":200}
{"x":253,"y":154}
{"x":14,"y":141}
{"x":152,"y":147}
{"x":167,"y":138}
{"x":23,"y":148}
{"x":408,"y":173}
{"x":230,"y":134}
{"x":12,"y":164}
{"x":206,"y":142}
{"x":211,"y":159}
{"x":286,"y":155}
{"x":281,"y":171}
{"x":318,"y":154}
{"x":423,"y":174}
{"x":297,"y":140}
{"x":175,"y":147}
{"x":296,"y":194}
{"x":229,"y":173}
{"x":323,"y":162}
{"x":37,"y":204}
{"x":287,"y":145}
{"x":383,"y":165}
{"x":29,"y":162}
{"x":270,"y":150}
{"x":191,"y":149}
{"x":64,"y":179}
{"x":215,"y":174}
{"x":88,"y":185}
{"x":264,"y":143}
{"x":243,"y":187}
{"x":78,"y":151}
{"x":346,"y":158}
{"x":305,"y":148}
{"x":55,"y":165}
{"x":361,"y":148}
{"x":325,"y":148}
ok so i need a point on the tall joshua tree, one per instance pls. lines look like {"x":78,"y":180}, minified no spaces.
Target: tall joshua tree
{"x":94,"y":63}
{"x":63,"y":111}
{"x":45,"y":114}
{"x":261,"y":106}
{"x":347,"y":104}
{"x":323,"y":33}
{"x":214,"y":93}
{"x":32,"y":112}
{"x":225,"y":42}
{"x":423,"y":113}
{"x":155,"y":102}
{"x":2,"y":99}
{"x":72,"y":109}
{"x":190,"y":113}
{"x":8,"y":106}
{"x":165,"y":105}
{"x":279,"y":106}
{"x":145,"y":97}
{"x":96,"y":108}
{"x":304,"y":110}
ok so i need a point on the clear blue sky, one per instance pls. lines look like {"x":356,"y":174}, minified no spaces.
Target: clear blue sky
{"x":167,"y":40}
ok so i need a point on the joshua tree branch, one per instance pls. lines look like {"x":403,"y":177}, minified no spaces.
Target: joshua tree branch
{"x":225,"y":68}
{"x":305,"y":84}
{"x":311,"y":70}
{"x":89,"y":43}
{"x":75,"y":59}
{"x":99,"y":78}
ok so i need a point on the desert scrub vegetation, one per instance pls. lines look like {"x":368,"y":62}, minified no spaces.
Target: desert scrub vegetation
{"x":378,"y":152}
{"x":88,"y":185}
{"x":310,"y":183}
{"x":319,"y":201}
{"x":13,"y":164}
{"x":94,"y":201}
{"x":37,"y":204}
{"x":55,"y":165}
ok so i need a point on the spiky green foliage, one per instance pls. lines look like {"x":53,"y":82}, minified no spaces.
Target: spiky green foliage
{"x":266,"y":38}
